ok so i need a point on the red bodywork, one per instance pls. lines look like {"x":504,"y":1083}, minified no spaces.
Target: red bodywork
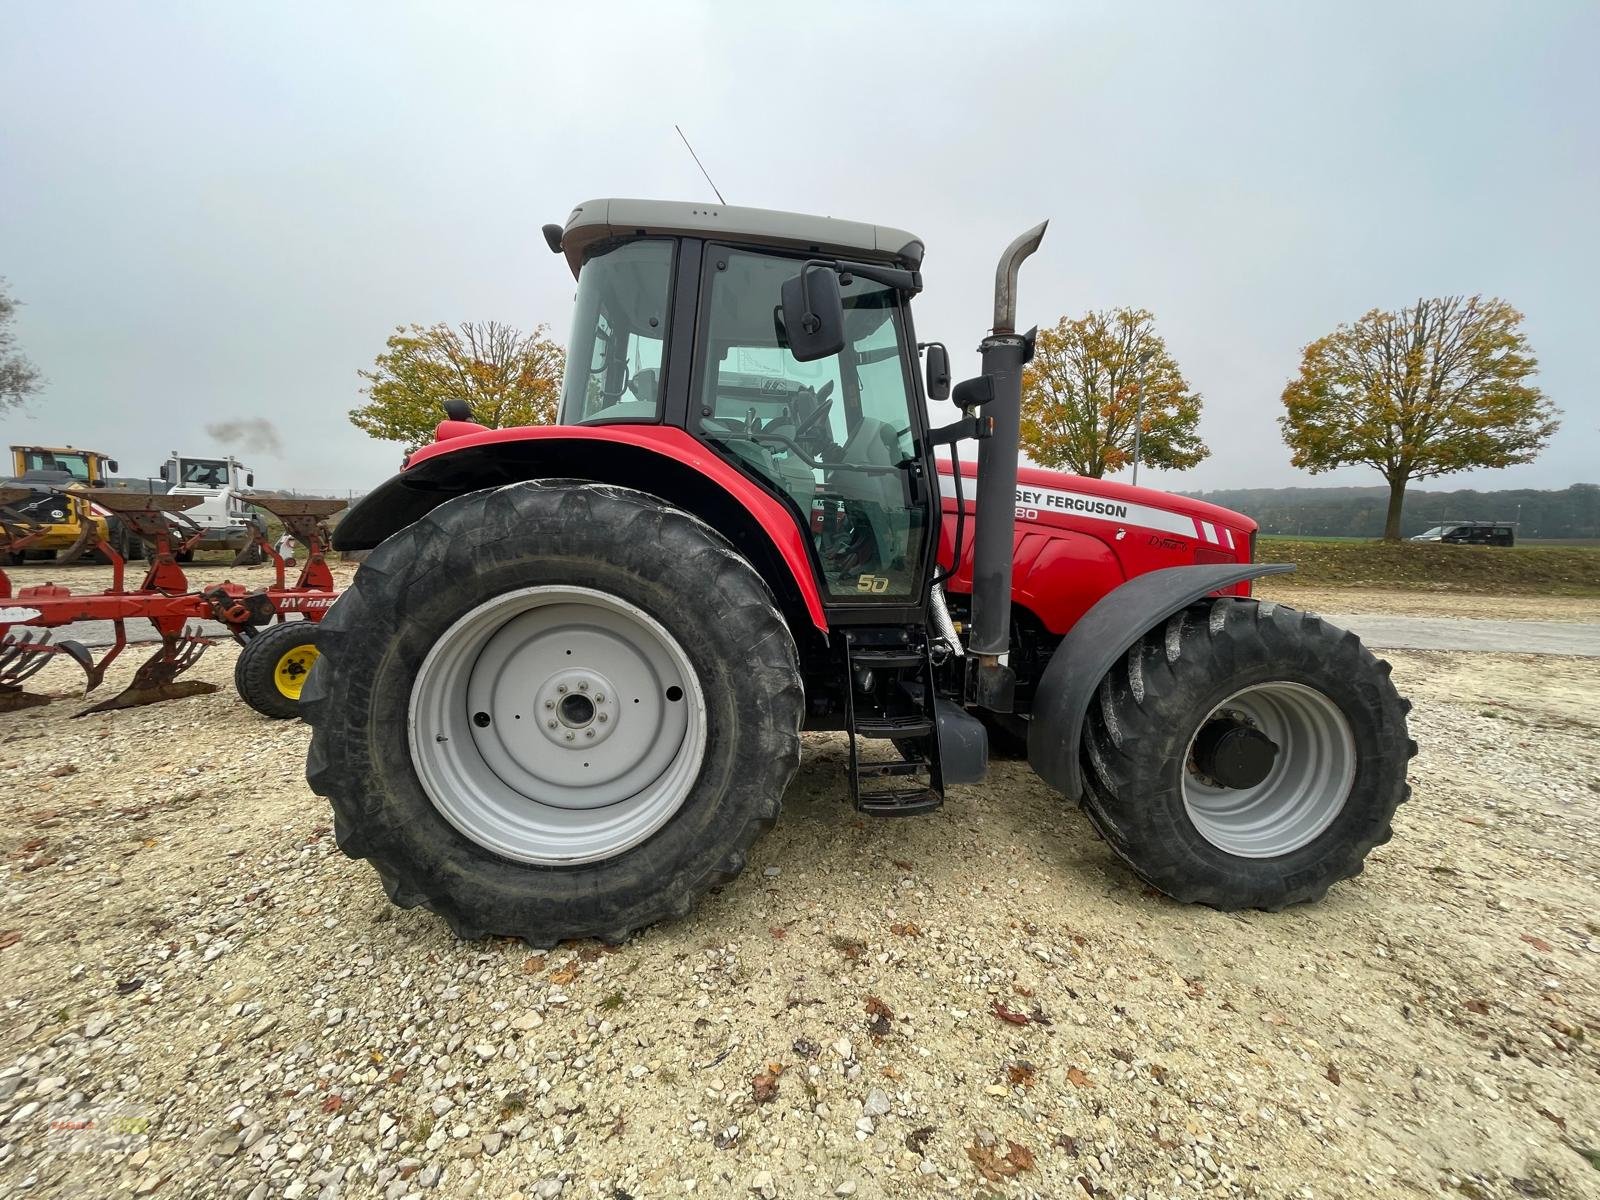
{"x":1078,"y":538}
{"x":670,"y":442}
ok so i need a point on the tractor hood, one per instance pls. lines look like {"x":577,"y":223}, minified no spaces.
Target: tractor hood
{"x":1043,"y":495}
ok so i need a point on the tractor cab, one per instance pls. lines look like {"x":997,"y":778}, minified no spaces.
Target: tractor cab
{"x":679,"y":320}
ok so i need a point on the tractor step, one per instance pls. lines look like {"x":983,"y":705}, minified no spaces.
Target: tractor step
{"x":895,"y":727}
{"x":887,"y":659}
{"x":880,"y":770}
{"x":903,"y":802}
{"x":894,"y":679}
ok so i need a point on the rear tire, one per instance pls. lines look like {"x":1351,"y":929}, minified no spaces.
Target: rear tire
{"x":273,"y":666}
{"x":1338,"y":775}
{"x":389,"y":702}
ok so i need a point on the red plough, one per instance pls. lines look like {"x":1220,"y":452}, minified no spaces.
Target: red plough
{"x":164,"y":597}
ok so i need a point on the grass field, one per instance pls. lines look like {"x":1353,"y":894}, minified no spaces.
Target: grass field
{"x":1421,"y":566}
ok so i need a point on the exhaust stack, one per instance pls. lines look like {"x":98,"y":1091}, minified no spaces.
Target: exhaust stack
{"x":991,"y":682}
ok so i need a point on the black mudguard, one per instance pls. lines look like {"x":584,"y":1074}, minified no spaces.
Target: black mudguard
{"x":1091,"y":646}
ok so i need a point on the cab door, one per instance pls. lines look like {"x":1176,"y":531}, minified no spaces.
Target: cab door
{"x":840,"y":437}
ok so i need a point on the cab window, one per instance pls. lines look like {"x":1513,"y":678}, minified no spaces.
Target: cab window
{"x":76,"y":465}
{"x":619,"y":329}
{"x":836,"y":435}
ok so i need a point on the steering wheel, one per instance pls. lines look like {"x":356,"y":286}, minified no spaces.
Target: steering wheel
{"x":824,"y":404}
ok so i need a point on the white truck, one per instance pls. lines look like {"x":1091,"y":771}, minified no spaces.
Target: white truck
{"x":229,"y":523}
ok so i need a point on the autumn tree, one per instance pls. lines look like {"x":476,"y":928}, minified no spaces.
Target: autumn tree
{"x":1438,"y":386}
{"x":506,"y":377}
{"x":1092,"y":382}
{"x":19,"y":378}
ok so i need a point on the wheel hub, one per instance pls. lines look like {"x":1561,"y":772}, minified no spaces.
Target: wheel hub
{"x":577,"y":709}
{"x":1233,"y":753}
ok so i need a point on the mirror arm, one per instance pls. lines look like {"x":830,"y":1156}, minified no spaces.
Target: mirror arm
{"x":976,"y":428}
{"x":909,"y":282}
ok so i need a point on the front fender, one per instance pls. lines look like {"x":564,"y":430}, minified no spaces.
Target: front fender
{"x":659,"y":459}
{"x":1081,"y":661}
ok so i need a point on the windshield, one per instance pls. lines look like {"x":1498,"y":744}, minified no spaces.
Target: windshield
{"x":74,"y":463}
{"x":203,"y":472}
{"x":1436,"y":531}
{"x":619,"y":328}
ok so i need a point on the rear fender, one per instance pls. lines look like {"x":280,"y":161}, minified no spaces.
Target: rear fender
{"x":658,"y":459}
{"x":1090,"y":648}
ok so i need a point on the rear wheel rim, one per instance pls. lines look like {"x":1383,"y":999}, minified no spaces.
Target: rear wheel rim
{"x":1304,"y":792}
{"x":557,"y":725}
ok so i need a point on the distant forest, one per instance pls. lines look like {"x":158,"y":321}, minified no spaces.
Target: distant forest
{"x":1572,"y":512}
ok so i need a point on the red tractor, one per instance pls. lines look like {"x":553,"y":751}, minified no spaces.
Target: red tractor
{"x":565,"y":692}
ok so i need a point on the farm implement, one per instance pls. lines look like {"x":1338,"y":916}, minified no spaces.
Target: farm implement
{"x":277,"y":652}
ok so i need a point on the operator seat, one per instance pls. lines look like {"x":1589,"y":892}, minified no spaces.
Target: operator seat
{"x":879,"y":494}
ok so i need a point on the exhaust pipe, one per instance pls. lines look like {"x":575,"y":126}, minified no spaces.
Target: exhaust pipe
{"x":990,"y":681}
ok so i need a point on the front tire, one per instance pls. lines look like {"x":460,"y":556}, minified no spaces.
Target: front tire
{"x":1245,"y":755}
{"x":440,"y":712}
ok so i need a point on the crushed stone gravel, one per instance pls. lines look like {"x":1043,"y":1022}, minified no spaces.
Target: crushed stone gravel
{"x":202,"y":997}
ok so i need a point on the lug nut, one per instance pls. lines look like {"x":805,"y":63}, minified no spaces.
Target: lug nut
{"x":599,"y":697}
{"x":569,"y":737}
{"x":561,"y":687}
{"x":549,"y":703}
{"x":604,"y":718}
{"x":583,"y":687}
{"x":550,"y":724}
{"x":588,"y":733}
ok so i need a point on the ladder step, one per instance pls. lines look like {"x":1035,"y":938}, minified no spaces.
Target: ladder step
{"x":880,"y":770}
{"x":905,"y":802}
{"x":895,"y":727}
{"x":886,"y":658}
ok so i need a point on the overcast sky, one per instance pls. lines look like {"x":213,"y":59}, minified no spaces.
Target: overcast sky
{"x":219,"y":210}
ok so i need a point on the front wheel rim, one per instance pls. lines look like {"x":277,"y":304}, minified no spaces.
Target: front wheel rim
{"x":557,"y":725}
{"x":293,"y":667}
{"x":1306,"y":788}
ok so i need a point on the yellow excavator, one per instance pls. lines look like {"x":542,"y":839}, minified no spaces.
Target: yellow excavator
{"x":70,"y":525}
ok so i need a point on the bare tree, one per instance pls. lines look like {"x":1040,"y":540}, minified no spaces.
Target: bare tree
{"x":19,"y":378}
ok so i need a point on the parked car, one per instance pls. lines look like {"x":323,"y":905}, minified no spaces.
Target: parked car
{"x":1471,"y":533}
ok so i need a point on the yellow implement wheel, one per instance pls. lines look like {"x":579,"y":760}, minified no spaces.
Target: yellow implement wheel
{"x":292,"y":669}
{"x":273,"y":666}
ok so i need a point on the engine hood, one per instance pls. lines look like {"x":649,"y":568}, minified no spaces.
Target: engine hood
{"x":1066,"y":493}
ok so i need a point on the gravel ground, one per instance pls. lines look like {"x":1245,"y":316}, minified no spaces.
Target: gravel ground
{"x":202,"y":997}
{"x":1430,"y":603}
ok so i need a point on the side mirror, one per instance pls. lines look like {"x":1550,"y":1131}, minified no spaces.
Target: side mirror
{"x":813,"y":313}
{"x":166,"y":472}
{"x":457,"y":410}
{"x":111,"y":465}
{"x":974,"y":393}
{"x":938,"y":371}
{"x":250,"y":480}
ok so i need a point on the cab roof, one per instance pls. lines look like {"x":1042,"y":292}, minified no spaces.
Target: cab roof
{"x":596,"y":221}
{"x":59,"y":450}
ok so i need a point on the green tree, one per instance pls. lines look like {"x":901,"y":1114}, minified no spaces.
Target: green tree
{"x":1092,"y":382}
{"x":505,"y":376}
{"x":1438,"y":386}
{"x":19,"y":378}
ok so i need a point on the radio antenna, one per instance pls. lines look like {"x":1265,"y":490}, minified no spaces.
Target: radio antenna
{"x":699,"y":164}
